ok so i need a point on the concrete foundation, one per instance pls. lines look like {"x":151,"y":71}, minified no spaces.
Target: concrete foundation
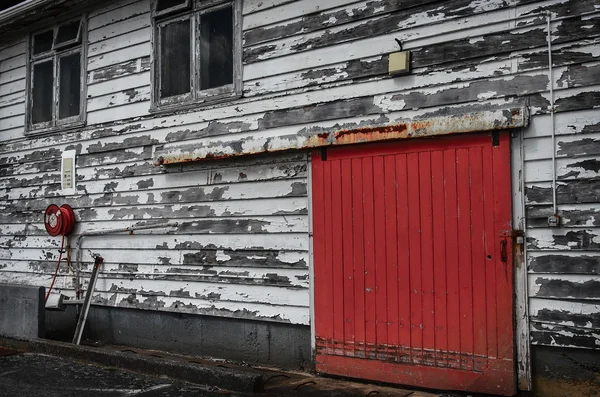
{"x":274,"y":344}
{"x":21,"y":311}
{"x":560,"y":372}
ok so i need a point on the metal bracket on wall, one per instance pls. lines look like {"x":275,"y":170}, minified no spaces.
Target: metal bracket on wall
{"x":495,"y":138}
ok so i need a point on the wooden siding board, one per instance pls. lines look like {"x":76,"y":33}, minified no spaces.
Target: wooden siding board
{"x":142,"y":193}
{"x":350,"y":12}
{"x":119,"y":14}
{"x":209,"y":258}
{"x":118,"y":56}
{"x":571,"y":216}
{"x":564,"y":262}
{"x":577,"y":314}
{"x":552,"y":286}
{"x":567,"y":192}
{"x":16,"y":73}
{"x":123,"y":69}
{"x":565,"y":336}
{"x":13,"y":49}
{"x":567,"y":168}
{"x":116,"y":29}
{"x":284,"y":11}
{"x":128,"y":39}
{"x":563,"y":239}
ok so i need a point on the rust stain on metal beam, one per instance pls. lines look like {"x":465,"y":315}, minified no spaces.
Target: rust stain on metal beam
{"x":434,"y":126}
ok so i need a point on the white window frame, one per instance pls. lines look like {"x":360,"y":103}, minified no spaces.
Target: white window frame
{"x":194,"y":10}
{"x":55,"y":54}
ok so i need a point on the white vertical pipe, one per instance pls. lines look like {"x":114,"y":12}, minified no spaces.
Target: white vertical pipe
{"x":552,"y":120}
{"x":311,"y":261}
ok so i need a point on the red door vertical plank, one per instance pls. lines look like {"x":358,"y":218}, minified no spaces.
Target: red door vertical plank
{"x":319,"y":246}
{"x":414,"y":225}
{"x":492,"y":251}
{"x":358,"y":255}
{"x":329,"y":256}
{"x":452,"y":281}
{"x":369,"y":225}
{"x":404,"y":291}
{"x":348,"y":265}
{"x":479,"y":260}
{"x":427,"y":276}
{"x":391,"y":246}
{"x":380,"y":265}
{"x":439,"y":255}
{"x":464,"y":257}
{"x":503,"y":214}
{"x":338,"y":256}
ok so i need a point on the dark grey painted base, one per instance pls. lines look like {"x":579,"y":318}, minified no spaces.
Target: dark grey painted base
{"x":274,"y":344}
{"x":559,"y":371}
{"x":22,"y":311}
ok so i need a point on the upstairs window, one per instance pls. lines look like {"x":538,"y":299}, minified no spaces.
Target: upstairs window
{"x":56,"y":76}
{"x":197,"y":55}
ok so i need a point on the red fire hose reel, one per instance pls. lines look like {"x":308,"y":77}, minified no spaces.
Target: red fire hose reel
{"x":59,"y":220}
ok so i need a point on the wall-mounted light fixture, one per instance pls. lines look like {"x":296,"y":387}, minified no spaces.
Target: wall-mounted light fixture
{"x":399,"y":62}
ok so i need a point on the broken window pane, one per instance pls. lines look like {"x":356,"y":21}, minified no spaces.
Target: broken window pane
{"x":162,"y":5}
{"x":43,"y":83}
{"x":69,"y":85}
{"x":175,"y":48}
{"x":42,"y":42}
{"x":67,"y":32}
{"x":216,"y":48}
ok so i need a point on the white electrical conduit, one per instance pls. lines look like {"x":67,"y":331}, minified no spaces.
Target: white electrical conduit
{"x":110,"y":231}
{"x":552,"y":118}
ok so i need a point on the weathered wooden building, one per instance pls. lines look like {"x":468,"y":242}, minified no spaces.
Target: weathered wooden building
{"x":458,"y":252}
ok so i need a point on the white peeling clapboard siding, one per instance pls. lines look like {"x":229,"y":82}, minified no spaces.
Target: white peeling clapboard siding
{"x":310,"y":67}
{"x":564,"y":263}
{"x":12,"y":90}
{"x":240,"y":248}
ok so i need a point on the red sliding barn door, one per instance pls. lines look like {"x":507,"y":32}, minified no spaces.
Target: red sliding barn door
{"x":413,"y":276}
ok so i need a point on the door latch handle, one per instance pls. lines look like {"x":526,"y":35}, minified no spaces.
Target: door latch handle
{"x":503,"y":254}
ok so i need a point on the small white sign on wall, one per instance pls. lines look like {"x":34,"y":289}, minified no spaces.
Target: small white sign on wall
{"x":67,"y":173}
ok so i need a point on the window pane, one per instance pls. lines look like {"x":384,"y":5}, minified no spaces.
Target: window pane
{"x":42,"y":42}
{"x":43,"y":81}
{"x":175,"y":58}
{"x":162,"y":5}
{"x":69,"y":85}
{"x":67,"y":32}
{"x":216,"y":48}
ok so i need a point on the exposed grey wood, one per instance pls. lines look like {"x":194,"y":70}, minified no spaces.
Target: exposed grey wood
{"x":565,"y":336}
{"x":568,"y":192}
{"x":561,"y":263}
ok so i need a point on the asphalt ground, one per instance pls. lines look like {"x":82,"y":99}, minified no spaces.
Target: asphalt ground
{"x":37,"y":375}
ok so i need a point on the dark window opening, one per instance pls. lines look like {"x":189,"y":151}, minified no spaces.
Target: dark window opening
{"x":198,"y":52}
{"x":216,"y":48}
{"x":69,"y":85}
{"x":67,"y":33}
{"x":175,"y":58}
{"x":42,"y":42}
{"x":42,"y":95}
{"x":55,"y":97}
